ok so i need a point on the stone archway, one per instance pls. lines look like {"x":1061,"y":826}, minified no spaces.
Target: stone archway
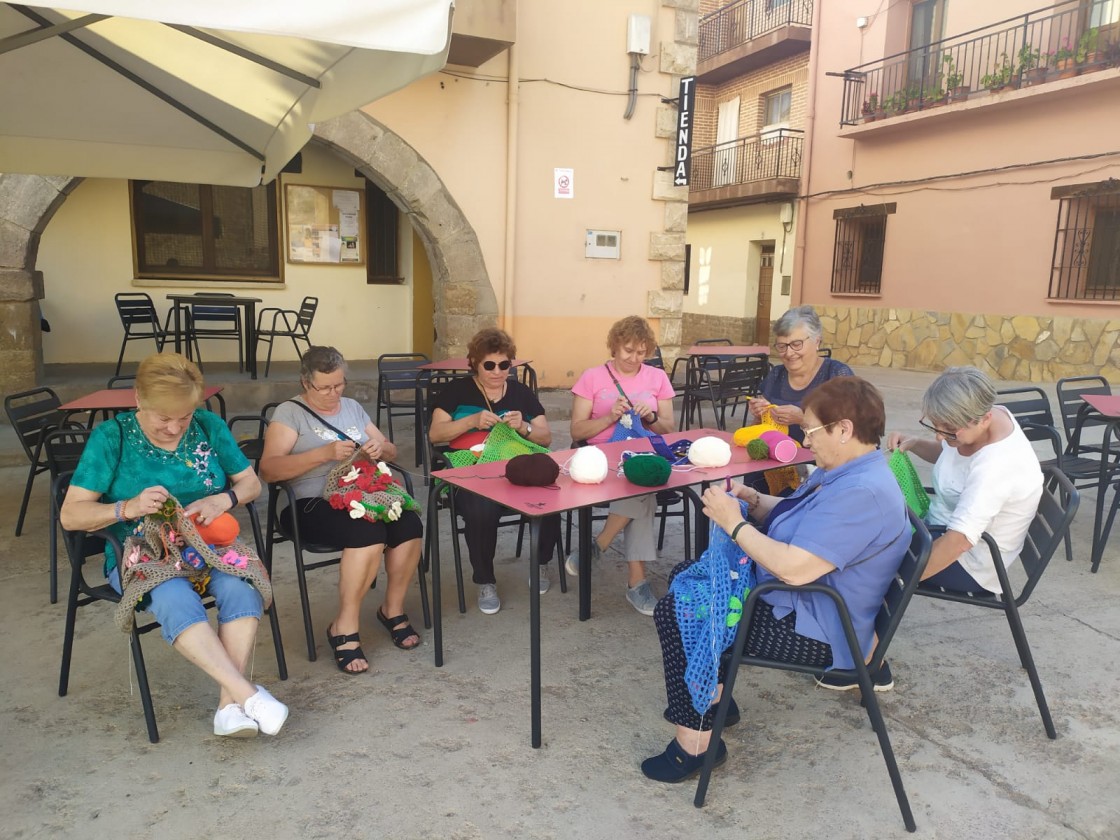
{"x":464,"y":299}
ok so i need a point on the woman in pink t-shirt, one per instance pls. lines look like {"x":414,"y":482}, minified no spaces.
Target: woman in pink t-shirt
{"x":602,"y":396}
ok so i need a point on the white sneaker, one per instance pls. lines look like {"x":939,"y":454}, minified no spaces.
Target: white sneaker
{"x":488,"y":601}
{"x":266,"y":710}
{"x":571,"y":565}
{"x":232,"y":722}
{"x":641,"y":598}
{"x":545,"y":582}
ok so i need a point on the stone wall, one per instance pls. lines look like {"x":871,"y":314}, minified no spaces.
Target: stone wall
{"x":1028,"y":348}
{"x":695,"y":326}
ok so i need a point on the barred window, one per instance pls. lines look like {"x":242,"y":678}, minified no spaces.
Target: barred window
{"x":857,"y":256}
{"x":190,"y":231}
{"x":1086,"y":263}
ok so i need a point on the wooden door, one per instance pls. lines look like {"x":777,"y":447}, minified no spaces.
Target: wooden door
{"x":765,"y":292}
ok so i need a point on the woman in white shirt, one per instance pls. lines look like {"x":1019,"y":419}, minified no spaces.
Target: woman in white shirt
{"x":986,"y":477}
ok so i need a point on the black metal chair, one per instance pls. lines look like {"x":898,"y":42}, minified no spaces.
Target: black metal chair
{"x":141,"y":323}
{"x":898,"y":596}
{"x":286,"y":323}
{"x":252,"y":444}
{"x":399,"y":379}
{"x":1077,"y":415}
{"x":62,"y":449}
{"x":32,"y":414}
{"x":218,"y":322}
{"x":1056,"y":510}
{"x":282,"y":529}
{"x":729,"y":384}
{"x":79,"y":548}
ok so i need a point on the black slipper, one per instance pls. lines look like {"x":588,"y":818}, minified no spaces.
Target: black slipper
{"x":342,"y":658}
{"x":675,"y":765}
{"x":399,"y":634}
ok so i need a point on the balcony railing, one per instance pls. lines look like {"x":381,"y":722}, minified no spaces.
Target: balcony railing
{"x":770,"y":155}
{"x":1041,"y":46}
{"x":737,"y":23}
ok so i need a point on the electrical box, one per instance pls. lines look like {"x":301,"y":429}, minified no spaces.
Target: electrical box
{"x":603,"y":245}
{"x":638,"y":34}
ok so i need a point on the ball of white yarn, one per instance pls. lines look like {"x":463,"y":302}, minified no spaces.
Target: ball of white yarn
{"x":588,"y":465}
{"x":710,"y":451}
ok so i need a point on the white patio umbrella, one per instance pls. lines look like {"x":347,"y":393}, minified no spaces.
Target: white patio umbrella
{"x":202,"y":91}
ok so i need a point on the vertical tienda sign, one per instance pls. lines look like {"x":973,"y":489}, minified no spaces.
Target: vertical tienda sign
{"x":685,"y":101}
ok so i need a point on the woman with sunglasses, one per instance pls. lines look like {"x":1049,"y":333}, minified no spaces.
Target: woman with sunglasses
{"x":306,"y":438}
{"x":797,"y":342}
{"x":463,"y":414}
{"x":986,"y":477}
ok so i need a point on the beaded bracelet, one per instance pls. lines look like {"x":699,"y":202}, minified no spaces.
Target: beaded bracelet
{"x":118,"y":511}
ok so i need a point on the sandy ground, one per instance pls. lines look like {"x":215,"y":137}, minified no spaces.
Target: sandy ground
{"x":411,"y":751}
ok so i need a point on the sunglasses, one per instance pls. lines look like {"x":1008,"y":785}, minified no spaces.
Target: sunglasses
{"x":490,"y":365}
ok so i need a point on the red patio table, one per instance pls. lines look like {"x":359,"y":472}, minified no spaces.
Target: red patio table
{"x":121,"y":399}
{"x":538,"y":502}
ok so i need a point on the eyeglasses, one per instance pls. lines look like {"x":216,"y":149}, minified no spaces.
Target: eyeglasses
{"x":950,"y":436}
{"x":503,"y":365}
{"x":795,"y":345}
{"x":328,"y":389}
{"x":808,"y":433}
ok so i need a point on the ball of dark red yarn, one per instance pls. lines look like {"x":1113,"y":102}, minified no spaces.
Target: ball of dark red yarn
{"x":534,"y":469}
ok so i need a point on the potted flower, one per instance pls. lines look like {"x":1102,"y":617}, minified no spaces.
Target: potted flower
{"x":1087,"y":53}
{"x":1000,"y":77}
{"x":1063,"y":61}
{"x":954,"y":81}
{"x":1030,"y":66}
{"x":871,"y":110}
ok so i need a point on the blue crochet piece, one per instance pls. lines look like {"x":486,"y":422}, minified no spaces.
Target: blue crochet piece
{"x":709,"y":597}
{"x":636,"y":430}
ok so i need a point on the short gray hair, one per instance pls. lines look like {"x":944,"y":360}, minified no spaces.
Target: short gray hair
{"x":804,"y":315}
{"x":320,"y":359}
{"x":959,"y":396}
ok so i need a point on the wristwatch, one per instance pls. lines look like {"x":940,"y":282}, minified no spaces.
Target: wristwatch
{"x":232,"y":497}
{"x":528,"y":429}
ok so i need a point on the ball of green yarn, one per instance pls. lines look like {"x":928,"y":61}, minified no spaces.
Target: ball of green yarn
{"x":647,"y":470}
{"x":758,"y":449}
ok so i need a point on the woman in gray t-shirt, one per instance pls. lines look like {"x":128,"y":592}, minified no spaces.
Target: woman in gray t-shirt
{"x":307,"y":437}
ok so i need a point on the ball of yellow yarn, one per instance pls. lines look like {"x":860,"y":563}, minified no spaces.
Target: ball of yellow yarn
{"x":746,"y":434}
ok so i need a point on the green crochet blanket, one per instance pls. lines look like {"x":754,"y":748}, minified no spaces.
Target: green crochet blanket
{"x":501,"y":444}
{"x":908,"y":481}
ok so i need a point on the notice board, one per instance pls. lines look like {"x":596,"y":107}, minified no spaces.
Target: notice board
{"x":325,"y":225}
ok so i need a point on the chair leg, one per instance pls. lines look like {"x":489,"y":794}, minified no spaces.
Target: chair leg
{"x":268,"y":358}
{"x":1027,"y":660}
{"x":305,"y":603}
{"x":875,"y":715}
{"x":277,"y":642}
{"x":142,"y":684}
{"x":520,"y":536}
{"x":31,"y":473}
{"x":68,"y":635}
{"x":423,"y":580}
{"x":1107,"y":530}
{"x":54,"y":550}
{"x":120,"y":357}
{"x":721,"y":715}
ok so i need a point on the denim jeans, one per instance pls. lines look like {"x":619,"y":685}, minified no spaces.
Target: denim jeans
{"x":176,"y":606}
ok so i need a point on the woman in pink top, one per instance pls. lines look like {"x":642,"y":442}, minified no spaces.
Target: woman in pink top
{"x":602,"y":396}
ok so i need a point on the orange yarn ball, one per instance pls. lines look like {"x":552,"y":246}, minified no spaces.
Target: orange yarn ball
{"x":222,"y":530}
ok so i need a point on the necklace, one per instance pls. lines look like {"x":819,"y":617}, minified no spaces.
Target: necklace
{"x":482,"y":391}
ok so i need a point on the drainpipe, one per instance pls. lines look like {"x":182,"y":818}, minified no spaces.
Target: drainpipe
{"x":795,"y":291}
{"x":506,"y":315}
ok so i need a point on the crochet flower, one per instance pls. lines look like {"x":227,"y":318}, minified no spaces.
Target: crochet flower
{"x":393,"y":512}
{"x":350,"y":476}
{"x":232,"y":558}
{"x":133,"y":558}
{"x":383,"y":467}
{"x":357,"y":510}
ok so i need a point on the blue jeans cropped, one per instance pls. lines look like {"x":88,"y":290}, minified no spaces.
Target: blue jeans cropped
{"x":176,"y":606}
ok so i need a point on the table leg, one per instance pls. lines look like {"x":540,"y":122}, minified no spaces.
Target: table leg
{"x":178,"y":326}
{"x":535,"y":629}
{"x":433,"y":561}
{"x":251,"y":338}
{"x":1100,"y":532}
{"x":584,"y":563}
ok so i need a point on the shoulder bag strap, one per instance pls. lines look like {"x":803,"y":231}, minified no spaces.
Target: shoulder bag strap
{"x":617,"y":384}
{"x":330,"y":426}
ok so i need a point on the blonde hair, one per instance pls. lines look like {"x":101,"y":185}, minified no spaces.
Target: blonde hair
{"x":632,"y":328}
{"x":168,"y":381}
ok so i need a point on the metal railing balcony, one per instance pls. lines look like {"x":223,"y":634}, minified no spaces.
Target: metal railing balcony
{"x":737,"y":23}
{"x":760,"y":157}
{"x":1040,"y":46}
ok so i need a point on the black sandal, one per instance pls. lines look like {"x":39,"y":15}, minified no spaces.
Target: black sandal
{"x":342,"y":658}
{"x":399,"y":634}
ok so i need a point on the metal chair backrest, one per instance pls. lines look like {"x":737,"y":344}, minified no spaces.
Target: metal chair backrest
{"x":136,"y":310}
{"x":656,"y":360}
{"x":128,"y":381}
{"x":1056,"y":510}
{"x":1030,"y":406}
{"x":1069,"y":392}
{"x":724,"y":341}
{"x":902,"y":588}
{"x":306,"y":315}
{"x":398,"y":372}
{"x":252,"y":444}
{"x":230,"y":316}
{"x":31,"y":414}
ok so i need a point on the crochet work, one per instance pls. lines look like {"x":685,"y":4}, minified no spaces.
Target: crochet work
{"x":502,"y":443}
{"x":367,"y":490}
{"x":709,"y":597}
{"x":908,"y":481}
{"x":166,"y":545}
{"x":629,"y":426}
